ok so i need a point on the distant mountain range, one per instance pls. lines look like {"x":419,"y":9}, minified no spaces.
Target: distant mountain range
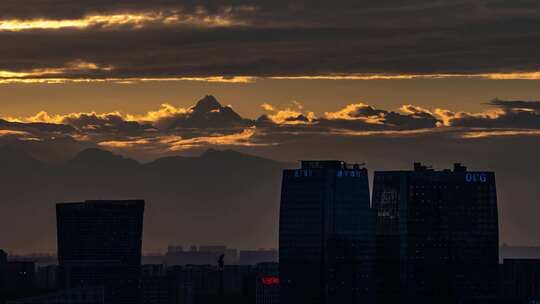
{"x":61,"y":141}
{"x":220,"y":197}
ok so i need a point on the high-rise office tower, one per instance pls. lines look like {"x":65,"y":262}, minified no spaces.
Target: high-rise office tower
{"x":437,"y":235}
{"x":99,"y":244}
{"x":326,"y":237}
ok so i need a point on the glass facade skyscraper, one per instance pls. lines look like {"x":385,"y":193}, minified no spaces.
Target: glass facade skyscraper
{"x":437,"y":235}
{"x":326,"y":237}
{"x":99,"y":245}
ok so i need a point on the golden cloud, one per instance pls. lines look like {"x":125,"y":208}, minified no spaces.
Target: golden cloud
{"x":498,"y":133}
{"x":388,"y":133}
{"x":289,"y":116}
{"x":447,"y":116}
{"x":349,"y":113}
{"x":412,"y":109}
{"x":533,"y":75}
{"x":159,"y":137}
{"x":13,"y":132}
{"x":286,"y":116}
{"x":514,"y":76}
{"x":119,"y":144}
{"x":135,"y":20}
{"x":166,"y":110}
{"x":268,"y":107}
{"x":70,"y":67}
{"x":158,"y":117}
{"x":20,"y":135}
{"x":46,"y":76}
{"x":178,"y":143}
{"x":45,"y":117}
{"x":8,"y":77}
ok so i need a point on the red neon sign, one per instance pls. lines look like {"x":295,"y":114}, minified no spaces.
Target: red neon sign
{"x":270,"y":280}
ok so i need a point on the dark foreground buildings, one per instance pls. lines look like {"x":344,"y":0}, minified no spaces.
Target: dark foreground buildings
{"x":326,"y":234}
{"x":177,"y":255}
{"x":520,"y":280}
{"x":437,"y":235}
{"x":267,"y":284}
{"x":16,"y":278}
{"x":428,"y":237}
{"x":99,"y":245}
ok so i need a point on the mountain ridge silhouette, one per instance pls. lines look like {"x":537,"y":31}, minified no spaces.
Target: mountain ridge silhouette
{"x":223,"y":197}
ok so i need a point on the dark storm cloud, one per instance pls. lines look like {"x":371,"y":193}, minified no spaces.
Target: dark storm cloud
{"x":278,"y":38}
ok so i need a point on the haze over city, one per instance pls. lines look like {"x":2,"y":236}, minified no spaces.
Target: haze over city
{"x":190,"y":129}
{"x":49,"y":151}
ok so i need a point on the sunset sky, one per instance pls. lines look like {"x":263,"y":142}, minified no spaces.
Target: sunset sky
{"x":383,"y":82}
{"x":132,"y":56}
{"x":66,"y":57}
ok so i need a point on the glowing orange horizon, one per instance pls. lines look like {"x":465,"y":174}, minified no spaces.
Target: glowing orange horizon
{"x":48,"y":76}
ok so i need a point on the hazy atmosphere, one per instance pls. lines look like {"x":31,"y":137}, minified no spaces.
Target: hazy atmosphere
{"x":198,"y":106}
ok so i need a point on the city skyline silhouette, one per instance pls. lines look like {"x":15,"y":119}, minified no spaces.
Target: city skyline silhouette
{"x":269,"y":152}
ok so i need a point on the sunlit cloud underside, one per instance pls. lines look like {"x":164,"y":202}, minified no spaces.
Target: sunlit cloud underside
{"x":178,"y":143}
{"x":47,"y":76}
{"x":494,"y":76}
{"x":133,"y":20}
{"x":130,"y":80}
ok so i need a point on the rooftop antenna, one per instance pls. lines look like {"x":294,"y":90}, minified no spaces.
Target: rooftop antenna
{"x":221,"y":266}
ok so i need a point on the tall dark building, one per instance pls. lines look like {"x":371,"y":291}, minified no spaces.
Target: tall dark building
{"x":99,"y":245}
{"x":521,"y":280}
{"x":437,"y":235}
{"x":326,"y":238}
